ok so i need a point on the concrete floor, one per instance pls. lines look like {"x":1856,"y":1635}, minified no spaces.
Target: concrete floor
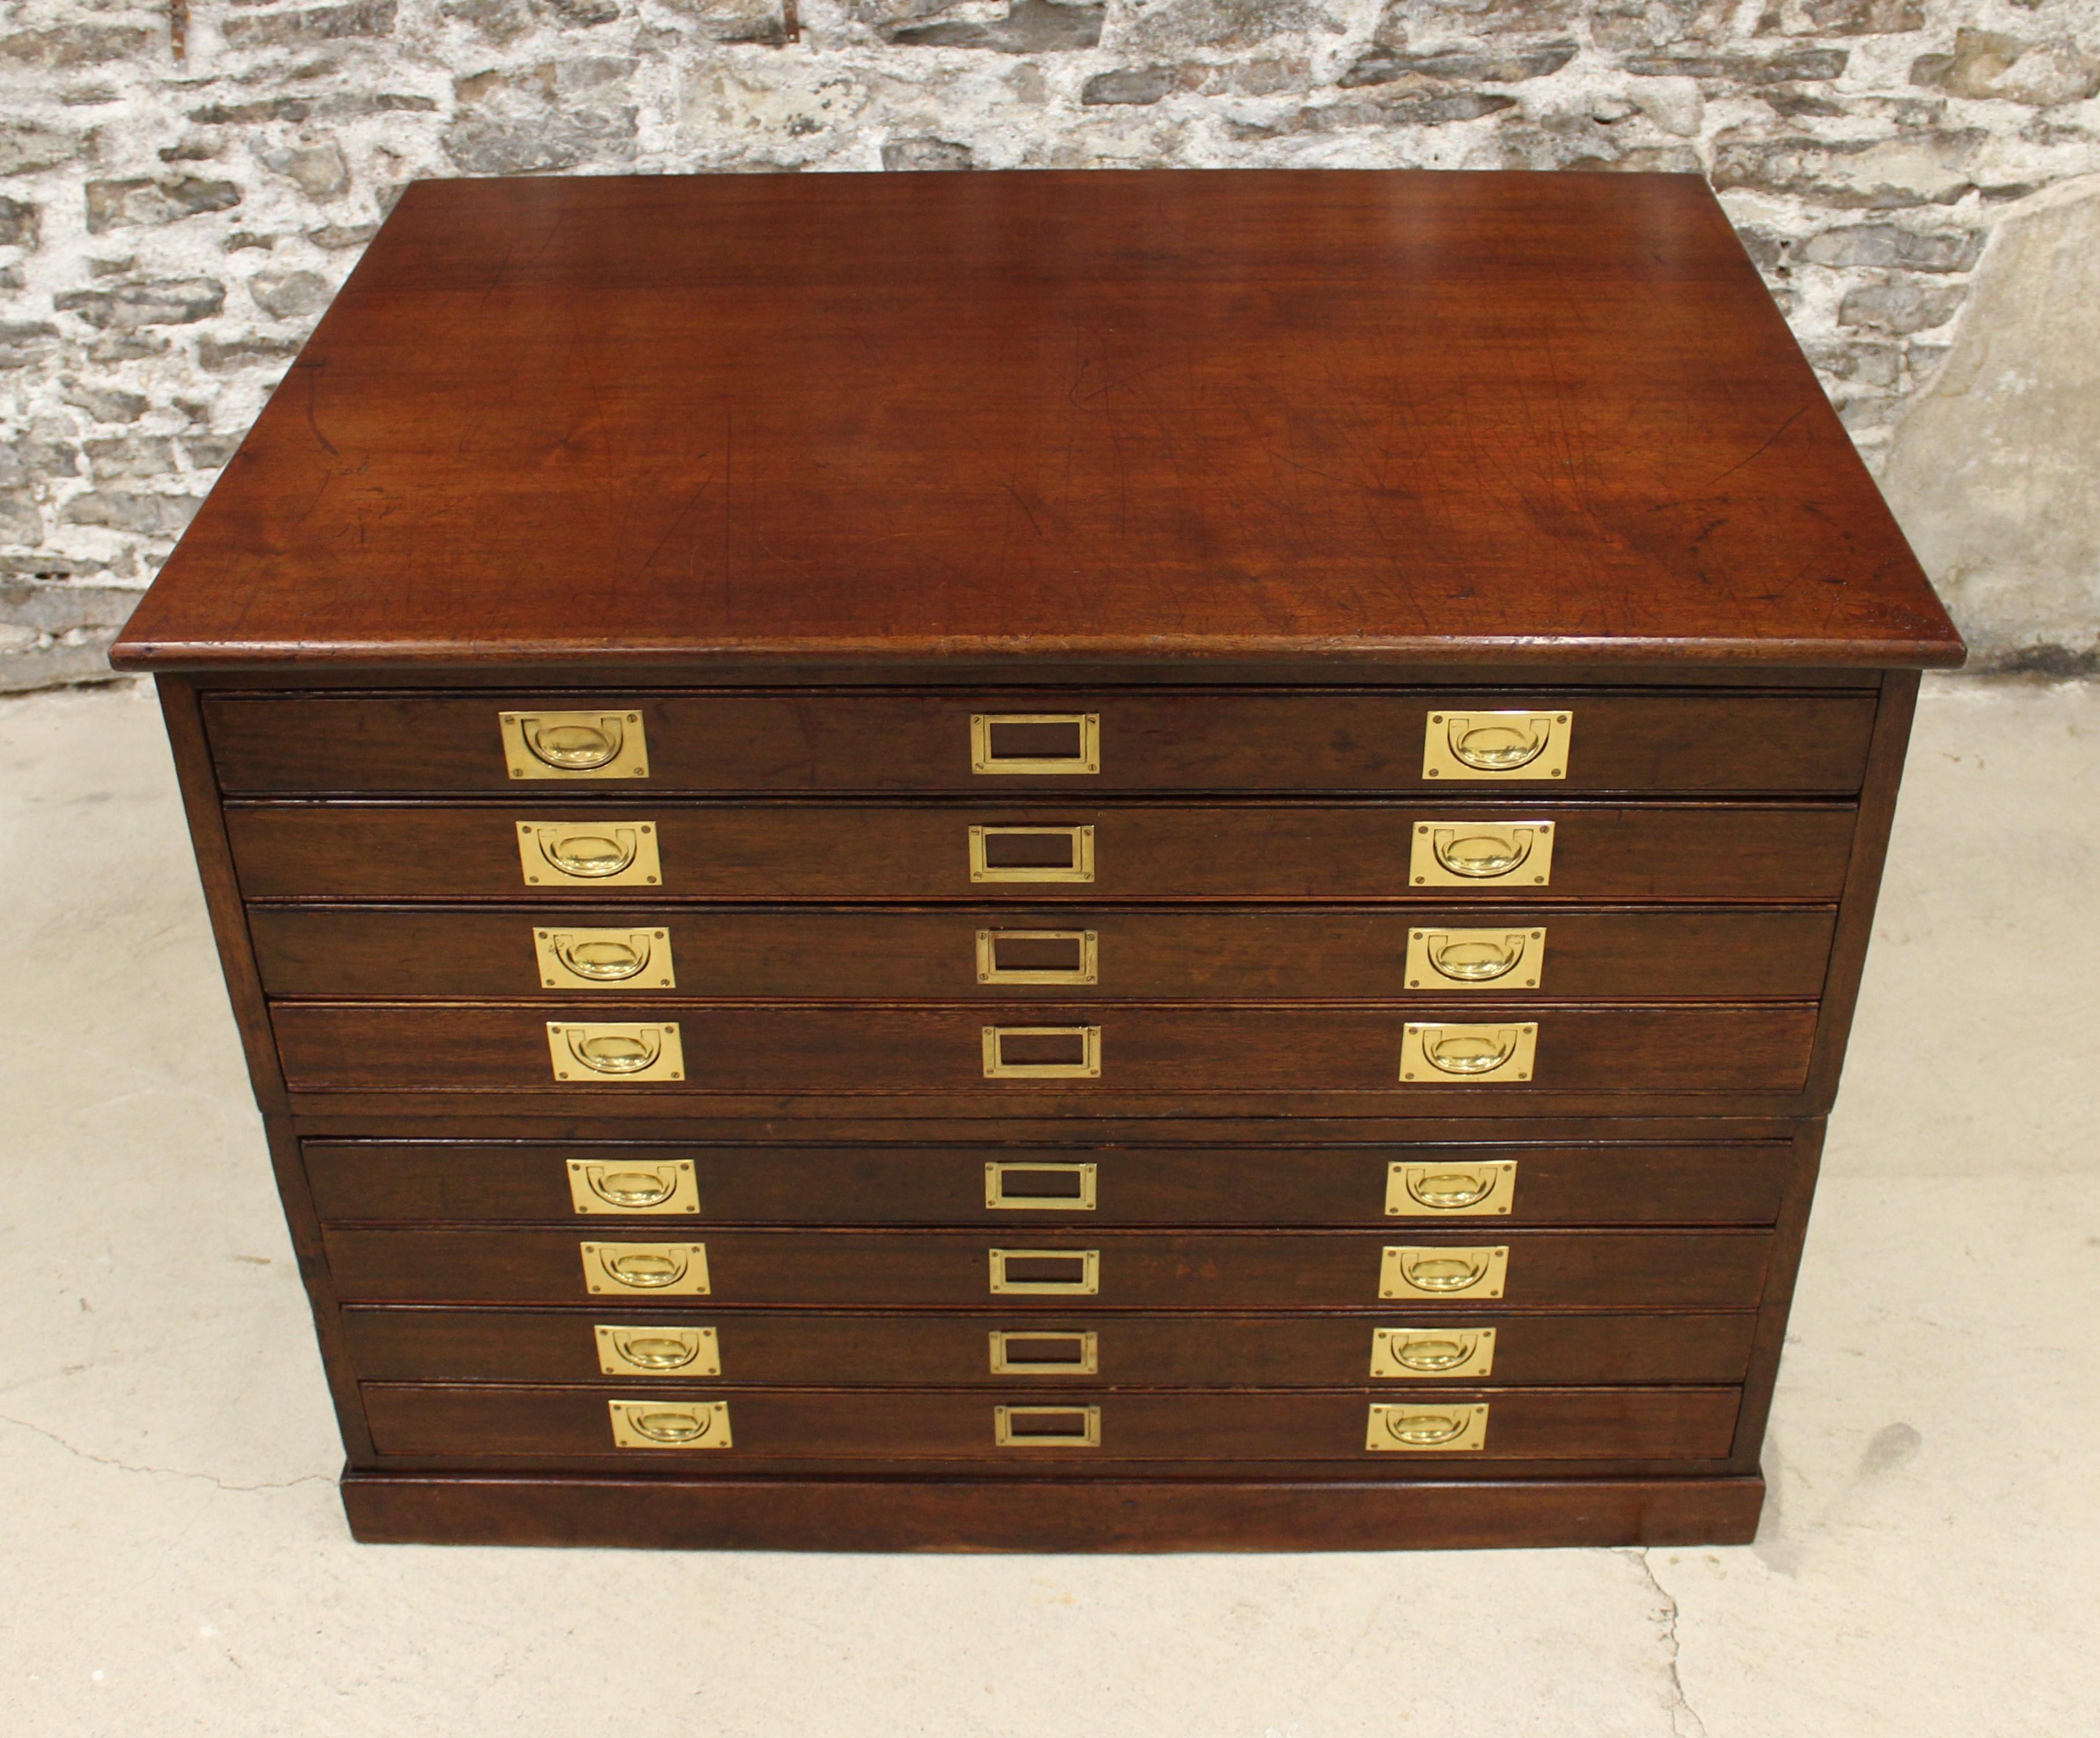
{"x":173,"y":1560}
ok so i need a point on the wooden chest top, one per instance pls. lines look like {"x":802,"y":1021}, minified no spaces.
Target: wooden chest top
{"x":672,"y":421}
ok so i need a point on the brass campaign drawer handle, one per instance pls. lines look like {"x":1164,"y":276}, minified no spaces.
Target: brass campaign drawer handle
{"x":601,"y":956}
{"x":1459,"y":1189}
{"x":1466,"y":853}
{"x":592,"y":744}
{"x":986,"y":755}
{"x":615,"y":1051}
{"x":1497,"y":745}
{"x":1432,"y":1353}
{"x":657,"y":1351}
{"x":669,"y":1424}
{"x":629,"y":1186}
{"x":666,"y":1269}
{"x":1475,"y":958}
{"x":1432,"y":1051}
{"x":1020,"y":956}
{"x":1033,"y":1351}
{"x":1046,"y":1426}
{"x":1438,"y":1271}
{"x":599,"y":853}
{"x":1031,"y":853}
{"x":1022,"y":1187}
{"x":1071,"y":1053}
{"x":1420,"y":1429}
{"x":1046,"y":1273}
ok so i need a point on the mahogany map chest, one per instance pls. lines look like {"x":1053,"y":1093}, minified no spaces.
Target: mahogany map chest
{"x":1046,"y":861}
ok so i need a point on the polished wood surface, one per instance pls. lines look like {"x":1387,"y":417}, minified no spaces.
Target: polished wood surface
{"x":422,"y":1343}
{"x":1697,"y":744}
{"x":1211,"y":1270}
{"x":750,"y":850}
{"x":1333,"y":953}
{"x":1461,"y":418}
{"x":931,"y":1182}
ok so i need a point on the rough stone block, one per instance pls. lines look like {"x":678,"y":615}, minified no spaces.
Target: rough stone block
{"x":130,"y":457}
{"x":1888,"y":247}
{"x":1029,"y":27}
{"x":105,"y":403}
{"x":164,"y":301}
{"x":1885,"y":174}
{"x":289,"y":295}
{"x":21,"y":223}
{"x":21,"y":521}
{"x":319,"y":23}
{"x":216,"y":357}
{"x":923,"y":153}
{"x":111,"y":204}
{"x":118,"y":509}
{"x":318,"y":170}
{"x":1492,"y":66}
{"x":761,"y":21}
{"x":1136,"y":86}
{"x":1864,"y":17}
{"x":1902,"y":306}
{"x":1791,"y":67}
{"x":1985,"y":65}
{"x":75,"y":45}
{"x":27,"y":146}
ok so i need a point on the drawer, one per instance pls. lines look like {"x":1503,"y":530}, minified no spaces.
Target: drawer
{"x":1218,"y":1270}
{"x":997,"y":953}
{"x":773,"y":1426}
{"x":1174,"y":1049}
{"x":1693,"y":742}
{"x":770,"y":851}
{"x":982,"y":1350}
{"x":1519,"y":1184}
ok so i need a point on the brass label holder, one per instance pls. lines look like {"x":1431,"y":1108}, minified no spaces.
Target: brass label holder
{"x":1036,"y":1351}
{"x":1420,"y":1427}
{"x":1077,"y":867}
{"x":657,"y":1352}
{"x":1452,"y":1189}
{"x":1445,"y":1054}
{"x":1070,"y":1272}
{"x":1484,"y":855}
{"x":588,"y":853}
{"x":1086,"y":756}
{"x":1086,"y":1065}
{"x":1046,"y":1426}
{"x":998,"y":1193}
{"x":1431,"y":1354}
{"x":595,"y":744}
{"x":1494,"y":961}
{"x":615,"y":1053}
{"x":1086,"y":948}
{"x":1508,"y":746}
{"x":629,"y":1186}
{"x":1442,"y":1271}
{"x":645,"y":1270}
{"x":669,"y":1423}
{"x":604,"y":959}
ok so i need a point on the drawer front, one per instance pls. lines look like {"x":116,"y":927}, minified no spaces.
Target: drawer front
{"x":772,"y":852}
{"x":1619,"y":1184}
{"x":1254,"y":1270}
{"x":1700,"y":741}
{"x":1001,"y":953}
{"x":1180,"y":1049}
{"x":1074,"y":1350}
{"x":772,"y":1427}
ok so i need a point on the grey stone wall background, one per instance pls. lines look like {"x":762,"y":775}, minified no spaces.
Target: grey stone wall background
{"x":171,"y":228}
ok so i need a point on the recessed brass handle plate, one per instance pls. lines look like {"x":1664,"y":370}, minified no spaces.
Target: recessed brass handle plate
{"x":1431,"y":1354}
{"x":596,"y":743}
{"x":1030,"y":1352}
{"x":657,"y":1352}
{"x":1022,"y":956}
{"x":1039,"y":1188}
{"x":1450,"y":1190}
{"x":1481,"y":853}
{"x":669,"y":1424}
{"x":1441,"y":1270}
{"x":1421,"y":1429}
{"x":1066,"y":1052}
{"x":1031,"y":853}
{"x":1035,"y":743}
{"x":1495,"y":960}
{"x":656,"y":1186}
{"x":1506,"y":746}
{"x":1434,"y":1053}
{"x":656,"y":1270}
{"x":588,"y":853}
{"x":604,"y":959}
{"x":600,"y":1053}
{"x":1046,"y":1273}
{"x":1046,"y":1426}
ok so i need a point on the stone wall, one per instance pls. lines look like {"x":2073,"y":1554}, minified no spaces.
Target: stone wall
{"x":170,"y":227}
